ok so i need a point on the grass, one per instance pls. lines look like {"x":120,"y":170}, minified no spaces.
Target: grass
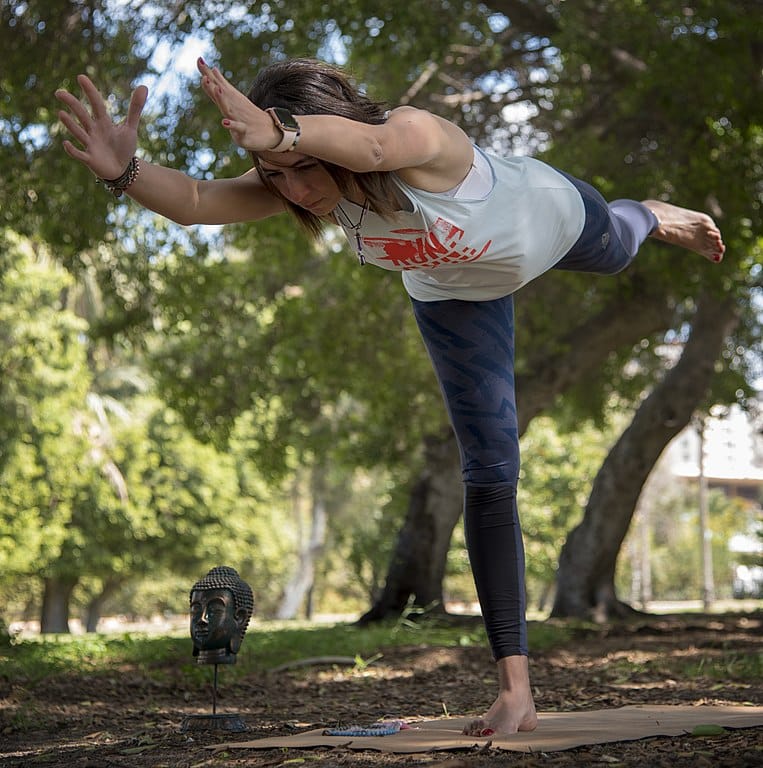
{"x":744,"y":667}
{"x":725,"y":669}
{"x":270,"y":644}
{"x":266,"y":645}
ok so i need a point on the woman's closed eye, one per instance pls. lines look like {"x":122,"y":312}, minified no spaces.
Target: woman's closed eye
{"x":274,"y":174}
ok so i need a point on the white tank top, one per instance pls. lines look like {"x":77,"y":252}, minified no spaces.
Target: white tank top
{"x":477,"y":248}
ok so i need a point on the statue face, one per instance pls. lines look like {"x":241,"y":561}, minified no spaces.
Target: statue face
{"x":214,"y":620}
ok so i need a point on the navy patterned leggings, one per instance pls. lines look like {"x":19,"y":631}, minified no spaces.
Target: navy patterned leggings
{"x":471,"y":344}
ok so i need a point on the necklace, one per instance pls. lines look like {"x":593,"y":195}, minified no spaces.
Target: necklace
{"x":346,"y":220}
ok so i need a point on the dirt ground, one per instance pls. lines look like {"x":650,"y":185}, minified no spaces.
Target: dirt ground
{"x":125,"y":718}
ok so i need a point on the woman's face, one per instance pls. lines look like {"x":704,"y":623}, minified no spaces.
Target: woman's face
{"x":214,"y":621}
{"x":302,"y":180}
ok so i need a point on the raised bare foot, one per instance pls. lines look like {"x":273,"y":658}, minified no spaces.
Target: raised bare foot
{"x":687,"y":229}
{"x":514,"y":709}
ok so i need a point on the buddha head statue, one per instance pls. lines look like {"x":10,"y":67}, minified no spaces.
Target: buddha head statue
{"x":221,"y":606}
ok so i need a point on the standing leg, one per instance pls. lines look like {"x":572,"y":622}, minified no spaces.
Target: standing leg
{"x":471,"y":345}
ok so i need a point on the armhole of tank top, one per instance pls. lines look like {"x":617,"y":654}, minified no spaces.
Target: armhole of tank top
{"x":478,"y":183}
{"x":405,"y":193}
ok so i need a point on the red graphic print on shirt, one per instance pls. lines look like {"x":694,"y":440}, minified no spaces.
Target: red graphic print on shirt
{"x":418,"y":248}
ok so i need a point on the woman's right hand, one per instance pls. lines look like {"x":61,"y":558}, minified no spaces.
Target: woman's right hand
{"x":107,"y":147}
{"x":250,"y":127}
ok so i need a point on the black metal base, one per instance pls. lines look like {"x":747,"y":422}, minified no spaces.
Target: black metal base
{"x":230,"y":722}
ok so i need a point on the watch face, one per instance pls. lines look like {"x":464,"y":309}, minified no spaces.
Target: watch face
{"x":286,"y":119}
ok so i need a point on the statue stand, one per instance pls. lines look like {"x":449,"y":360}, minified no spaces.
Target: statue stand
{"x":221,"y":606}
{"x":214,"y":722}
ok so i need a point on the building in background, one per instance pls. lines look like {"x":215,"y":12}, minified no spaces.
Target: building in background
{"x":733,"y":455}
{"x":726,"y":454}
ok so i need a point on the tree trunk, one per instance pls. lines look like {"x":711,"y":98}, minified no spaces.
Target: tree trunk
{"x":417,"y":567}
{"x":96,"y":603}
{"x":54,"y":616}
{"x":298,"y":590}
{"x":586,"y":575}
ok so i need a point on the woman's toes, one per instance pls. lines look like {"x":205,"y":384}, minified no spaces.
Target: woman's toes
{"x":476,"y":728}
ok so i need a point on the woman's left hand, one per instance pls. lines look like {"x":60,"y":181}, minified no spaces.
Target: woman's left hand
{"x":250,"y":127}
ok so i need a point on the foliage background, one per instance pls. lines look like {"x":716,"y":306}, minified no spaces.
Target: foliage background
{"x":175,"y":398}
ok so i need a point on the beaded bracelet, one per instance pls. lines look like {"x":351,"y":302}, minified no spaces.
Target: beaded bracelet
{"x":121,"y":183}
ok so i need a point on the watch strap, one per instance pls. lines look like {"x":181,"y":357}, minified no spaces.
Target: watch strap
{"x":290,"y":137}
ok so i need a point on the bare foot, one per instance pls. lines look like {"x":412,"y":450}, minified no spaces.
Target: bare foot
{"x":514,"y":709}
{"x":687,"y":229}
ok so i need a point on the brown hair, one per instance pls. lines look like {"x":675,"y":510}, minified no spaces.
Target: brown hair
{"x":312,"y":87}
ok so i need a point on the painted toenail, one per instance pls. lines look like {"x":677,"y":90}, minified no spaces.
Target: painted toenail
{"x":487,"y":732}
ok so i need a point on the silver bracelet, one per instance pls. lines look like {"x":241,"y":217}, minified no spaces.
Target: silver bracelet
{"x":121,"y":183}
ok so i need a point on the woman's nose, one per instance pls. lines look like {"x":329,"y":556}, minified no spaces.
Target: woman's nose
{"x":297,"y":191}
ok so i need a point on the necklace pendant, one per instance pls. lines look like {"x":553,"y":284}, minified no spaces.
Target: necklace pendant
{"x":343,"y":217}
{"x":359,"y":248}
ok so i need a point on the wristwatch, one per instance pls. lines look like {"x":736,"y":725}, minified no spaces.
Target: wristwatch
{"x":289,"y":127}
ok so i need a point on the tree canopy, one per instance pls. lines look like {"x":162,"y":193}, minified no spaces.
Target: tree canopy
{"x":254,"y":339}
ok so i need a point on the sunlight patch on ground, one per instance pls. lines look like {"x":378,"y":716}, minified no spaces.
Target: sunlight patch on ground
{"x":373,"y":673}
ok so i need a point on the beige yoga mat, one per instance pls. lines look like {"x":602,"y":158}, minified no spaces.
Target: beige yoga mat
{"x":556,"y":730}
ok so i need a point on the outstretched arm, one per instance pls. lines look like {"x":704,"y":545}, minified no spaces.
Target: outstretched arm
{"x":106,"y":148}
{"x":425,"y":150}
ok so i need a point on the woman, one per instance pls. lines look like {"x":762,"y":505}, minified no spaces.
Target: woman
{"x":465,"y":229}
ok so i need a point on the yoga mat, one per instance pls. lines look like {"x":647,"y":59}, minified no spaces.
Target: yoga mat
{"x":556,"y":730}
